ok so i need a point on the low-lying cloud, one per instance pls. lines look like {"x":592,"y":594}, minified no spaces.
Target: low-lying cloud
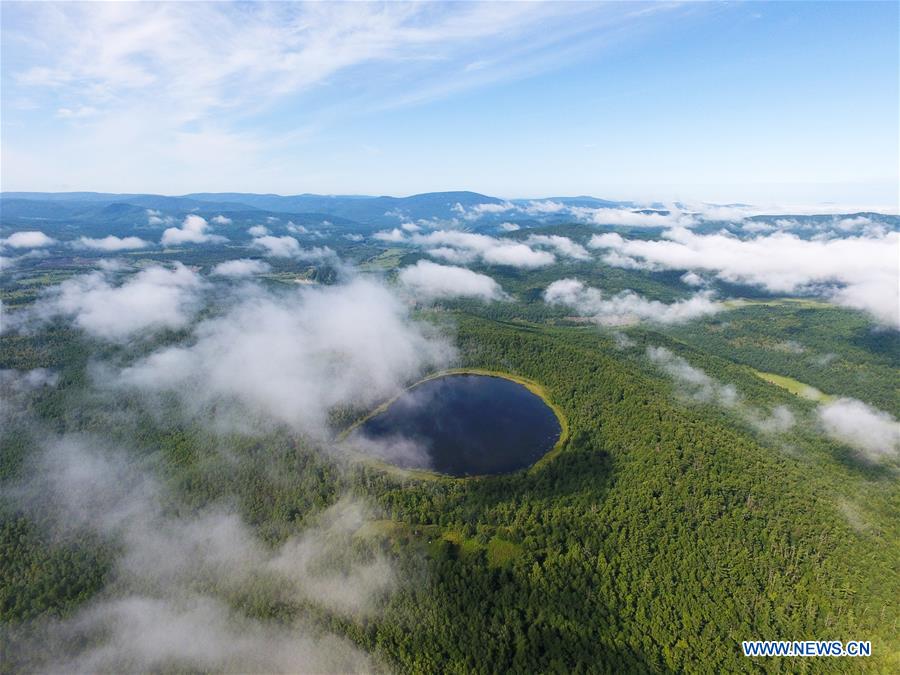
{"x":242,"y":267}
{"x":395,"y":235}
{"x":461,"y":248}
{"x":153,"y":299}
{"x":111,"y":243}
{"x":626,"y":307}
{"x":28,"y":239}
{"x":429,"y":281}
{"x":858,"y":272}
{"x":156,"y":217}
{"x":680,"y":214}
{"x":873,"y":432}
{"x":563,"y":246}
{"x":292,"y":357}
{"x":193,"y":230}
{"x":697,"y":386}
{"x":466,"y":247}
{"x":167,"y":603}
{"x":288,"y":247}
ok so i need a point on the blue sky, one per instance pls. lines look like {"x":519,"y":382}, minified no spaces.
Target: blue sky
{"x":788,"y":103}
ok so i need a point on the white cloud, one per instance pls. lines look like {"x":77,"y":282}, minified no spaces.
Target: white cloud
{"x":692,"y":279}
{"x":288,"y":247}
{"x":410,"y":227}
{"x":192,"y":231}
{"x":153,"y":299}
{"x":17,"y":388}
{"x":684,"y":215}
{"x":630,"y":217}
{"x":76,"y":113}
{"x":476,"y":211}
{"x":517,"y":255}
{"x":28,"y":239}
{"x":18,"y":382}
{"x":873,"y":432}
{"x":859,"y":272}
{"x":245,"y":267}
{"x":428,"y":280}
{"x":155,"y":217}
{"x":258,"y":231}
{"x":300,"y":229}
{"x":396,"y":235}
{"x":755,"y":226}
{"x":819,"y":228}
{"x":162,"y":68}
{"x":696,"y":385}
{"x":221,"y":220}
{"x":544,"y":206}
{"x":461,"y":247}
{"x":634,"y":217}
{"x":454,"y":255}
{"x":174,"y":573}
{"x":616,"y":259}
{"x":626,"y":307}
{"x":563,"y":246}
{"x":700,"y":386}
{"x":111,"y":243}
{"x":510,"y":227}
{"x":293,"y":357}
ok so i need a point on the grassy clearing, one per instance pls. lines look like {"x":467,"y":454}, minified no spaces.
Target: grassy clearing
{"x":805,"y":303}
{"x":795,"y":386}
{"x":501,"y":552}
{"x":466,"y":546}
{"x":290,"y":277}
{"x":386,"y":260}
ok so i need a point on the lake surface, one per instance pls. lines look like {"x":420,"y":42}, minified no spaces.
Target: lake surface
{"x":464,"y":425}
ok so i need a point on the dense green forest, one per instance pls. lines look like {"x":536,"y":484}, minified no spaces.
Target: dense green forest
{"x":665,"y":532}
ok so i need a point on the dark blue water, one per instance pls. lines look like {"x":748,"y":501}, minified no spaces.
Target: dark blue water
{"x":464,"y":425}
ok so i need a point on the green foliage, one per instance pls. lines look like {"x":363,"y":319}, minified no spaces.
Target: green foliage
{"x":40,"y":577}
{"x":662,"y":535}
{"x":834,"y":350}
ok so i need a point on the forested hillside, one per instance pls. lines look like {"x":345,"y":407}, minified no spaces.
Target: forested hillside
{"x":662,"y":536}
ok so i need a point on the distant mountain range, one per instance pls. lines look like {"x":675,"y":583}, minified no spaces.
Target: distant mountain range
{"x":68,"y":215}
{"x":361,"y":209}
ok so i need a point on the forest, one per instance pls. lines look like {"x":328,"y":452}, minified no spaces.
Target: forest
{"x":665,"y":532}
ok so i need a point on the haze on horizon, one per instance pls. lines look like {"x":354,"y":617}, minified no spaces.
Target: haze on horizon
{"x":790,"y":103}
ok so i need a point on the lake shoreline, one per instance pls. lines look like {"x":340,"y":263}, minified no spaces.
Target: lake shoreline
{"x":424,"y":474}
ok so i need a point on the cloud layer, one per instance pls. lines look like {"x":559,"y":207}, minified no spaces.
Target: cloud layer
{"x":192,"y":231}
{"x":696,"y":385}
{"x":153,"y":299}
{"x":293,"y":357}
{"x":242,"y":267}
{"x":288,"y":247}
{"x":111,"y":243}
{"x":873,"y":432}
{"x":859,"y":272}
{"x":626,"y":307}
{"x":28,"y":239}
{"x":465,"y":247}
{"x":429,"y":281}
{"x":167,"y":602}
